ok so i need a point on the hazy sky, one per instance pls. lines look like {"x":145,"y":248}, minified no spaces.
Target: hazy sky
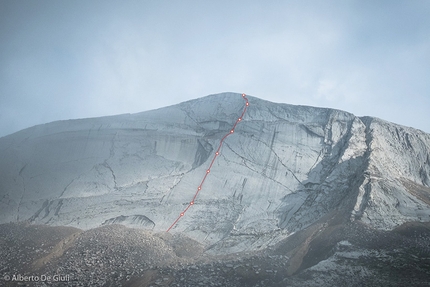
{"x":76,"y":59}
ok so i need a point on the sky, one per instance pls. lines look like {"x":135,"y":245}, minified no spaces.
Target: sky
{"x":77,"y":59}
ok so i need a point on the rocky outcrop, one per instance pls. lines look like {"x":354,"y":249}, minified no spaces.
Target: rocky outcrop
{"x":286,"y":168}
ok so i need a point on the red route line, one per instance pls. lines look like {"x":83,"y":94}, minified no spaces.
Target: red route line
{"x":199,"y":188}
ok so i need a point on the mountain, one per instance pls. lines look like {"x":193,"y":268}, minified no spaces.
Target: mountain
{"x":288,"y":178}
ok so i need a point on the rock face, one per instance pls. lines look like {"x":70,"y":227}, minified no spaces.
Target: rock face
{"x":286,"y":168}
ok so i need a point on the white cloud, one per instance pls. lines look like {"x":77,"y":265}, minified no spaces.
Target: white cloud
{"x":328,"y":90}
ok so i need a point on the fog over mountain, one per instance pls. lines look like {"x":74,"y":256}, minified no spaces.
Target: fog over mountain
{"x":314,"y":185}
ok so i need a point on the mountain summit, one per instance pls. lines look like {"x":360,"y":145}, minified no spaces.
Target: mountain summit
{"x":285,"y":169}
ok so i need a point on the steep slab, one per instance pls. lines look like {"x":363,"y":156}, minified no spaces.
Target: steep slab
{"x":285,"y":169}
